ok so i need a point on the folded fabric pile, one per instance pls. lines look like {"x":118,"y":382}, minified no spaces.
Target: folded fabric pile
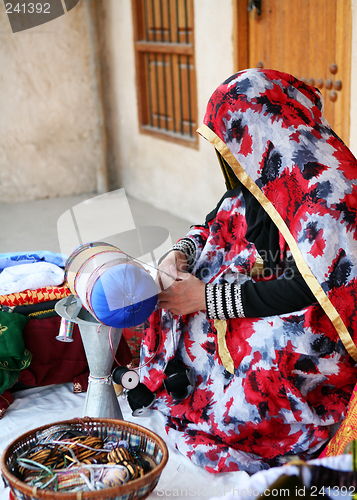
{"x":30,"y":355}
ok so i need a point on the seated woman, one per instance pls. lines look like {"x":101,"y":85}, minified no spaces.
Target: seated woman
{"x":262,"y":312}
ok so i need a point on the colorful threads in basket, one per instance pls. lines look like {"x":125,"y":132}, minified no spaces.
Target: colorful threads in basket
{"x":67,"y":460}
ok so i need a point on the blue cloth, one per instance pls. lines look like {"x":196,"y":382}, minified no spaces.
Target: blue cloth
{"x":13,"y":259}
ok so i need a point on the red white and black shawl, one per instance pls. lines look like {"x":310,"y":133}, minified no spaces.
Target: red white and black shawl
{"x":292,"y":375}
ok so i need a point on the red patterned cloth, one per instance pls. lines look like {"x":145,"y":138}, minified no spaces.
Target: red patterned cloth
{"x":44,"y":294}
{"x":133,"y":337}
{"x":293,"y":376}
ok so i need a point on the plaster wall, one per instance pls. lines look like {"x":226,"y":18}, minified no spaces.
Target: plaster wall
{"x":50,"y":141}
{"x":182,"y":180}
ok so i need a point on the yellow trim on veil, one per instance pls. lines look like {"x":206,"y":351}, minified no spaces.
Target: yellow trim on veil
{"x":304,"y":269}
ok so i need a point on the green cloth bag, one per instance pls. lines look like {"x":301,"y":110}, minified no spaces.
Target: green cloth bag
{"x":14,"y":357}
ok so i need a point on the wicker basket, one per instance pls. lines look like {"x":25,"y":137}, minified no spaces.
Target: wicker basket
{"x":148,"y":442}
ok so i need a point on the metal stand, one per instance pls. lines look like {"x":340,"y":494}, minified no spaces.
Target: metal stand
{"x":101,"y":400}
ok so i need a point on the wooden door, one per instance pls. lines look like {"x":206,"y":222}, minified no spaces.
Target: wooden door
{"x":310,"y":39}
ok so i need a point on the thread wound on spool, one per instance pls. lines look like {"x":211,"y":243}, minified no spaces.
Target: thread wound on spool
{"x":114,"y":288}
{"x":177,"y":385}
{"x":174,"y":366}
{"x":124,"y":296}
{"x":140,"y":399}
{"x":65,"y":331}
{"x":129,"y":379}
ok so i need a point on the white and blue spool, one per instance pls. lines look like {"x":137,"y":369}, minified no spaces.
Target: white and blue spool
{"x":110,"y":292}
{"x":117,"y":290}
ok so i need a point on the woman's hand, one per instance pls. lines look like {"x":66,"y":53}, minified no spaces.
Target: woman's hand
{"x":186,"y":295}
{"x":167,"y":271}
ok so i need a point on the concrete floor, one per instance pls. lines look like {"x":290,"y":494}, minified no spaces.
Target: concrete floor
{"x":32,"y":226}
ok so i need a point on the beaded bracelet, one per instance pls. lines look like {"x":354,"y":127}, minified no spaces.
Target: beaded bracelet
{"x":228,"y":296}
{"x":188,"y":247}
{"x":185,"y":246}
{"x":238,"y":301}
{"x":210,"y":305}
{"x":224,"y":301}
{"x":218,"y":289}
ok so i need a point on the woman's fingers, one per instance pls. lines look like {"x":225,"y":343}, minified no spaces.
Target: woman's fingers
{"x":165,"y":277}
{"x":185,"y":296}
{"x":166,"y":274}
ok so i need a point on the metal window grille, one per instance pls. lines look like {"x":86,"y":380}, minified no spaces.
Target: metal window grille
{"x":166,"y":80}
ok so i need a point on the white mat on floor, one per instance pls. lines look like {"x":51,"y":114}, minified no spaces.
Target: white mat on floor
{"x":35,"y":407}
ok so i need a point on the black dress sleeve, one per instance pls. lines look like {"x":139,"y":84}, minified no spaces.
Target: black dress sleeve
{"x":287,"y":294}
